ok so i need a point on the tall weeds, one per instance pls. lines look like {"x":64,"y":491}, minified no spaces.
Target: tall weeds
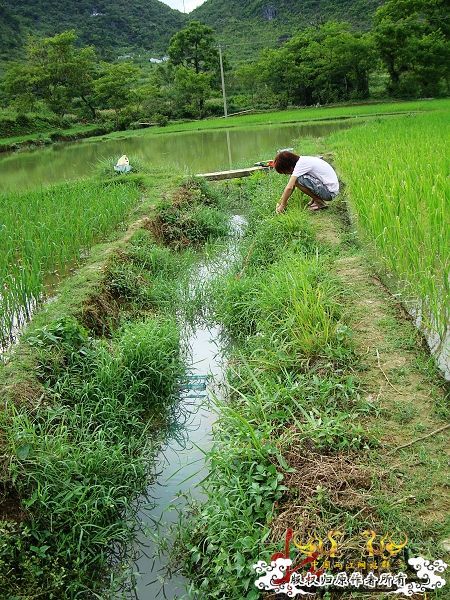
{"x":291,"y":357}
{"x":79,"y":461}
{"x":79,"y":454}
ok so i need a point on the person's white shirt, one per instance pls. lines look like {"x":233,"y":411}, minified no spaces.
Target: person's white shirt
{"x":312,"y":165}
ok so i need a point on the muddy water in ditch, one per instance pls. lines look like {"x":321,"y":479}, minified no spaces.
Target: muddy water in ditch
{"x":180,"y":464}
{"x":197,"y":151}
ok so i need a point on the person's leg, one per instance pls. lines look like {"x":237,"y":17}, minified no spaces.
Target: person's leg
{"x":315,"y":200}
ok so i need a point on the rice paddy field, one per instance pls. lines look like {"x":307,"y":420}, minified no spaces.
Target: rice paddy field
{"x":45,"y":231}
{"x":332,"y":418}
{"x":398,"y":189}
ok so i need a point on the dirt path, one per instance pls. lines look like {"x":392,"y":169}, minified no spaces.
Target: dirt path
{"x":401,"y":382}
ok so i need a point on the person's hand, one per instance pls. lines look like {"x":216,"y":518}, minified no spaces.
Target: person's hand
{"x":281,"y":207}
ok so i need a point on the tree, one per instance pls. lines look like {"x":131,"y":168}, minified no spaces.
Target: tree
{"x":412,"y":38}
{"x":194,"y":47}
{"x":154,"y":101}
{"x":194,"y":63}
{"x":56,"y":71}
{"x":115,"y":86}
{"x":11,"y":33}
{"x":191,"y":90}
{"x":326,"y":64}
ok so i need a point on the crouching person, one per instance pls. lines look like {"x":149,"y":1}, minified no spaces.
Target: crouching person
{"x":313,"y":176}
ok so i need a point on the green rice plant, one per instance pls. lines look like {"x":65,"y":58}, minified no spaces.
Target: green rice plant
{"x":398,"y":188}
{"x":44,"y":232}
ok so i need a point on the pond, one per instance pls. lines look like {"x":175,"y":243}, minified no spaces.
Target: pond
{"x":199,"y":151}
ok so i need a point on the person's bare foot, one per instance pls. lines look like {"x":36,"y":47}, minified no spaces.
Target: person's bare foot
{"x":315,"y":207}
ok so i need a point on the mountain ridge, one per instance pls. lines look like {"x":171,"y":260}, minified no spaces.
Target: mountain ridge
{"x":110,"y":26}
{"x":115,"y":28}
{"x":266,"y":23}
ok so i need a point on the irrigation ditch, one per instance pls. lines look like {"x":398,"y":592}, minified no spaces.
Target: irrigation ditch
{"x":335,"y":417}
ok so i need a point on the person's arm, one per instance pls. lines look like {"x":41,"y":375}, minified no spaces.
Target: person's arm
{"x":281,"y":206}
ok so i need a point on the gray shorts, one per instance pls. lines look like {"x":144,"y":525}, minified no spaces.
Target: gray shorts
{"x":316,"y":186}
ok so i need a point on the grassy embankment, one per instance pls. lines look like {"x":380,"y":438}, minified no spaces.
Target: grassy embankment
{"x":262,"y":118}
{"x":332,"y":394}
{"x":90,"y":389}
{"x":36,"y":129}
{"x":293,"y":116}
{"x":45,"y":138}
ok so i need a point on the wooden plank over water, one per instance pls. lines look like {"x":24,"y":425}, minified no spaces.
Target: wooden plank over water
{"x":219,"y":175}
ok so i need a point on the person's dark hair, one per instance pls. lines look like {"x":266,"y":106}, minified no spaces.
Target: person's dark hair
{"x":285,"y":162}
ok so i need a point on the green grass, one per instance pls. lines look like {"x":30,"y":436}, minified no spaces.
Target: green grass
{"x":43,"y":232}
{"x":396,"y":173}
{"x":291,"y":116}
{"x":263,"y":118}
{"x":84,"y":411}
{"x":290,"y":381}
{"x":48,"y":136}
{"x":79,"y":461}
{"x":297,"y":400}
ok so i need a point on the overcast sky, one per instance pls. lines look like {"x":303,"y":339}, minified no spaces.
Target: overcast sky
{"x":190,"y":4}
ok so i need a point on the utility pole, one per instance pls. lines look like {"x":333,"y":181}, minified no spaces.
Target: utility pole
{"x":225,"y":108}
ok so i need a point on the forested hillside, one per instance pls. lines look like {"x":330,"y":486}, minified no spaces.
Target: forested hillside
{"x":249,"y":26}
{"x":111,"y":26}
{"x":11,"y":36}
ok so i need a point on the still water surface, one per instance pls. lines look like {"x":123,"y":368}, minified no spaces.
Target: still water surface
{"x":200,"y":151}
{"x":180,"y":465}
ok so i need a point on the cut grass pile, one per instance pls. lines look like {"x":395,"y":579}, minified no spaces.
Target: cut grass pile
{"x":398,"y":190}
{"x":299,"y":438}
{"x":87,"y":400}
{"x":190,"y":217}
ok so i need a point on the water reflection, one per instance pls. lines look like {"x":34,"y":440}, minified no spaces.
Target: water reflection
{"x":180,"y":465}
{"x":198,"y":151}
